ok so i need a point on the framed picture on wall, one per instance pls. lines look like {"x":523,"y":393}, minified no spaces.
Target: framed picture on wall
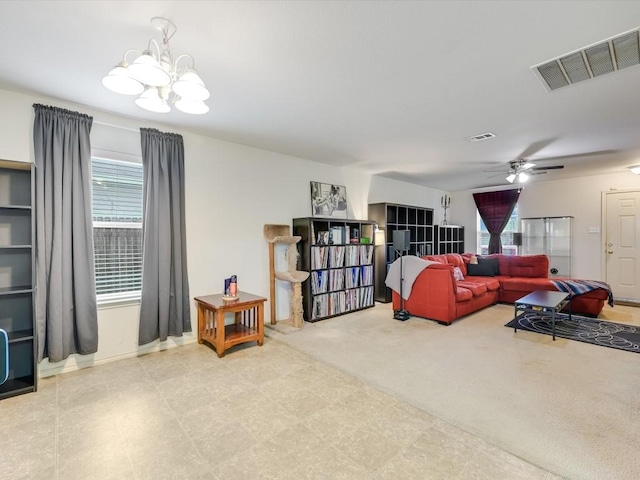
{"x":328,"y":200}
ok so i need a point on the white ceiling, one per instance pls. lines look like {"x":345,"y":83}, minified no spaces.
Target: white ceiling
{"x":390,"y":87}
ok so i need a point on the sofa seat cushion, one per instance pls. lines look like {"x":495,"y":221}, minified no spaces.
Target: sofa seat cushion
{"x":463,"y":294}
{"x":491,"y":283}
{"x":476,"y":288}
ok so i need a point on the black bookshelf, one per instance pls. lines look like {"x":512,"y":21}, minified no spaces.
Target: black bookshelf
{"x":338,"y":254}
{"x":391,"y":217}
{"x":450,"y":239}
{"x":17,"y":317}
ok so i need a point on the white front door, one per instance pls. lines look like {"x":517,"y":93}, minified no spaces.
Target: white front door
{"x":622,"y":244}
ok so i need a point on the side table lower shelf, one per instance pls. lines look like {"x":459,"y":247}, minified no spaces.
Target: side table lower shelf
{"x":248,"y":324}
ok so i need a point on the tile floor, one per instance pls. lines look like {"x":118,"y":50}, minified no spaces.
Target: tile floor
{"x":260,"y":412}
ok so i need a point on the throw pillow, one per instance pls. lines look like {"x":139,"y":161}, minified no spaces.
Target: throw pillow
{"x":493,"y":262}
{"x":480,"y":270}
{"x":473,"y":260}
{"x":457,"y":273}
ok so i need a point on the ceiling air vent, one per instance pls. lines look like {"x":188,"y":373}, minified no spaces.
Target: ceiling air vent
{"x":618,"y":52}
{"x":482,"y":136}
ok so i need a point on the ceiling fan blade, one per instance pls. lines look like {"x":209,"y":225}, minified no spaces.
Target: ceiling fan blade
{"x":535,"y":148}
{"x":536,"y":173}
{"x":551,"y":167}
{"x":560,"y":158}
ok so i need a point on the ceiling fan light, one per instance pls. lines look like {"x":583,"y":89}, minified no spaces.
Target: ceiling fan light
{"x":151,"y":100}
{"x":523,"y":177}
{"x":511,"y":177}
{"x":195,"y":107}
{"x":635,"y":169}
{"x":146,"y":69}
{"x":190,"y":86}
{"x":527,"y":165}
{"x":118,"y":80}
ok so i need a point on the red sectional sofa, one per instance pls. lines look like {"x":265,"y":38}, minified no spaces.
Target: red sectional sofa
{"x":437,"y":295}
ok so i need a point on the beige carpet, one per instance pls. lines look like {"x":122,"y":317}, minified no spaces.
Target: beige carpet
{"x":568,"y":407}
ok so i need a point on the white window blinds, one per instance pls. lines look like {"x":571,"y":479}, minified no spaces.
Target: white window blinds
{"x":117,"y":227}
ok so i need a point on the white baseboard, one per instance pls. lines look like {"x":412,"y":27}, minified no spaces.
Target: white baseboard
{"x":78,"y":362}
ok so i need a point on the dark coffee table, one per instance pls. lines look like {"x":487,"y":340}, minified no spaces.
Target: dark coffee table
{"x":543,"y":301}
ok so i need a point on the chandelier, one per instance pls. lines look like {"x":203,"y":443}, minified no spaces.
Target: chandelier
{"x":158,"y":79}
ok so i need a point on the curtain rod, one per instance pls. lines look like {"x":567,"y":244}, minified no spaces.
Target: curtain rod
{"x":105,"y":124}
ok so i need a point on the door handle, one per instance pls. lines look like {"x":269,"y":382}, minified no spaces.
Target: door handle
{"x":609,"y":251}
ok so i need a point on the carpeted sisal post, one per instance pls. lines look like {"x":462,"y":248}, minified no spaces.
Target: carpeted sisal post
{"x":296,"y":305}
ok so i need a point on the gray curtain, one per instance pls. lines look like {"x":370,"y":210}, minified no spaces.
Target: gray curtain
{"x":164,"y":306}
{"x":66,"y":313}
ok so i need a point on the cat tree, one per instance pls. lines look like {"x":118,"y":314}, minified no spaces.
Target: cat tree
{"x":275,"y":234}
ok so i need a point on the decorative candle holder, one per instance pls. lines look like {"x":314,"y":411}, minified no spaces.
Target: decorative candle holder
{"x":230,"y":288}
{"x":445,"y":203}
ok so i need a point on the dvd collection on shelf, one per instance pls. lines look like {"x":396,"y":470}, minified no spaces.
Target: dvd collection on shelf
{"x":341,"y":302}
{"x":323,"y":281}
{"x":336,"y":268}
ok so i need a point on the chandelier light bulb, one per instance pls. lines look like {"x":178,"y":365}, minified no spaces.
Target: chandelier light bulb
{"x":195,"y":107}
{"x":151,"y":100}
{"x":148,"y":70}
{"x":190,"y":86}
{"x":119,"y":81}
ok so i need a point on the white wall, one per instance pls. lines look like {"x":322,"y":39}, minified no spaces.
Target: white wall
{"x":231,"y":192}
{"x":580,"y":198}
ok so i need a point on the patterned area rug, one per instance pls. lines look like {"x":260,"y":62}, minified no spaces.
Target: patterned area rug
{"x":582,"y":329}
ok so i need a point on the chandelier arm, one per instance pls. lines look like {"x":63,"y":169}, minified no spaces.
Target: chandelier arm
{"x":124,"y":57}
{"x":193,"y":63}
{"x":153,"y":42}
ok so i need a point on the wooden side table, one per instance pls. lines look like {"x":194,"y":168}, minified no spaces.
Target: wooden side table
{"x":248,"y":325}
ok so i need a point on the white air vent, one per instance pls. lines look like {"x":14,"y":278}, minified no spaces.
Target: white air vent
{"x":482,"y":136}
{"x":618,"y":52}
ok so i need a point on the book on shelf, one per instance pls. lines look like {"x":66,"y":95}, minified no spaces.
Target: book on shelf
{"x":319,"y":257}
{"x":336,"y":256}
{"x":323,"y":238}
{"x":354,"y":236}
{"x":336,"y":236}
{"x":319,"y":281}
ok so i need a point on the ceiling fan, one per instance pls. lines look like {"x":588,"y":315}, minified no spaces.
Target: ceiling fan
{"x":522,"y":169}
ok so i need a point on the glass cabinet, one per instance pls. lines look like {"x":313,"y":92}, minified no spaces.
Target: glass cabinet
{"x":550,"y":236}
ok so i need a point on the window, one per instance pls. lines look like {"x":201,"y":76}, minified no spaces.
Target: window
{"x":508,"y":248}
{"x":117,"y":228}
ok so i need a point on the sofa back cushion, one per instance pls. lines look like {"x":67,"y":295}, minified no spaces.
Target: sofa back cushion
{"x":454,"y":259}
{"x":436,"y":258}
{"x":503,"y":262}
{"x":528,"y":266}
{"x":480,"y":270}
{"x":492,"y":264}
